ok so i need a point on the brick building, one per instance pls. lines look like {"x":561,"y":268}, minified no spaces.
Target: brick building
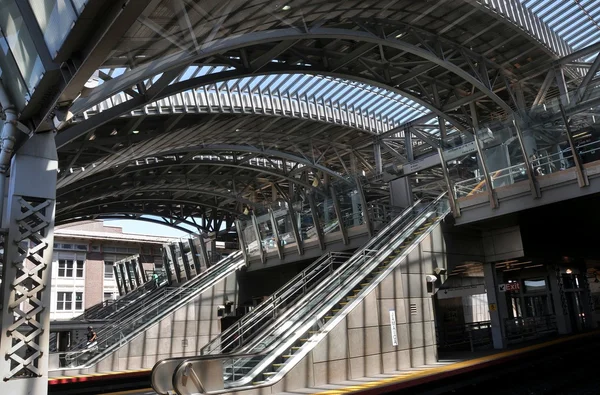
{"x":82,"y":267}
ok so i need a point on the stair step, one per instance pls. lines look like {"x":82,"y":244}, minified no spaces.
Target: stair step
{"x":258,"y":382}
{"x":304,"y":339}
{"x":295,"y":348}
{"x":277,"y":365}
{"x":286,"y":356}
{"x":269,"y":373}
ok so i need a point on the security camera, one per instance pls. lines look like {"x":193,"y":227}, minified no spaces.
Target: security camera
{"x":439,"y":271}
{"x":431,"y":278}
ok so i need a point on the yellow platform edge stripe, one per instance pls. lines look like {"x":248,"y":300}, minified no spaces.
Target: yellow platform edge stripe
{"x":408,"y":376}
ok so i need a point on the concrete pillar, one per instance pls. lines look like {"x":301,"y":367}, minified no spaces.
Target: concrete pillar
{"x":30,"y":209}
{"x":496,"y":305}
{"x":401,"y":192}
{"x":561,"y":311}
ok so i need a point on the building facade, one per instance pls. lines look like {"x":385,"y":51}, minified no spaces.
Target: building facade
{"x":83,"y":261}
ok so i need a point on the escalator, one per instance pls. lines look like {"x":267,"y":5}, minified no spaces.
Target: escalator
{"x":285,"y":341}
{"x":133,"y":320}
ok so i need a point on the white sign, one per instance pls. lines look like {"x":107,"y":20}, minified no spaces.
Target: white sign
{"x":457,"y":292}
{"x":393,"y":327}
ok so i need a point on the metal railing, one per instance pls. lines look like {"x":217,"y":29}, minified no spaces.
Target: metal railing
{"x":310,"y":310}
{"x":297,"y":287}
{"x":540,"y":166}
{"x":130,"y":322}
{"x":108,"y":308}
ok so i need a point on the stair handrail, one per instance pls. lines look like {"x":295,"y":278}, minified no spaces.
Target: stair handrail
{"x":110,"y":330}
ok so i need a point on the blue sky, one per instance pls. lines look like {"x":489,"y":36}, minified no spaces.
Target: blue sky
{"x":146,"y":228}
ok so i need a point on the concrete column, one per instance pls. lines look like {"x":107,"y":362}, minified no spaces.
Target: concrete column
{"x":401,"y":192}
{"x":561,"y":311}
{"x":496,"y":305}
{"x":30,"y":210}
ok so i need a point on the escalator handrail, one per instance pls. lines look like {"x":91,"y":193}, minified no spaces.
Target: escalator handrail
{"x":386,"y":233}
{"x":344,"y":287}
{"x":180,"y":369}
{"x":380,"y":255}
{"x":263,"y":307}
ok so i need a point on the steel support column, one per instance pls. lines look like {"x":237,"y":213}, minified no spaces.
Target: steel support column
{"x":128,"y":268}
{"x":124,"y":278}
{"x":140,"y":266}
{"x":365,"y":208}
{"x":316,"y":221}
{"x":297,"y":237}
{"x":186,"y":263}
{"x":204,"y":253}
{"x":408,"y":145}
{"x":168,"y":262}
{"x":582,"y":178}
{"x":261,"y":251}
{"x":24,"y":339}
{"x":533,"y":184}
{"x":276,"y":233}
{"x":119,"y":280}
{"x":377,"y":156}
{"x":242,"y":241}
{"x":138,"y":279}
{"x":195,"y":257}
{"x":176,"y":265}
{"x":451,"y":196}
{"x":486,"y":174}
{"x":338,"y":214}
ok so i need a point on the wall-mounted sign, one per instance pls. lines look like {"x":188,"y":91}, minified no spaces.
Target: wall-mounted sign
{"x":393,"y":327}
{"x":509,"y":287}
{"x":493,"y":307}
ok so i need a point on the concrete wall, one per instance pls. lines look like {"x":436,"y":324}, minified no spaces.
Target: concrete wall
{"x":94,"y":279}
{"x":182,"y":333}
{"x":361,"y":344}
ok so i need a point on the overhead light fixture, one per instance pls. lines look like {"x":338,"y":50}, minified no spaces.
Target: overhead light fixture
{"x":114,"y":132}
{"x":286,"y":7}
{"x":568,"y":271}
{"x":399,"y":35}
{"x":135,"y":132}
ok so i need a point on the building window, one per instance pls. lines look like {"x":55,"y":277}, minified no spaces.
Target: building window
{"x":108,"y":269}
{"x":107,"y":296}
{"x":64,"y":300}
{"x":65,"y":268}
{"x":79,"y":269}
{"x":78,"y":300}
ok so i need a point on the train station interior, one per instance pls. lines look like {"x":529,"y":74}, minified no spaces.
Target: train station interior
{"x":376,"y":196}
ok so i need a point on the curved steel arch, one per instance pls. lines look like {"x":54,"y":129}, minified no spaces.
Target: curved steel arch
{"x":90,"y":183}
{"x":101,"y":117}
{"x":128,"y":106}
{"x":262,"y":37}
{"x":154,"y":188}
{"x":178,"y":201}
{"x":218,"y":46}
{"x":220,"y":147}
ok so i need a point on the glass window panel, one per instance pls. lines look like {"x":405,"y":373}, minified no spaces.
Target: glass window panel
{"x":108,"y":269}
{"x":55,"y":18}
{"x":21,"y":45}
{"x":78,"y":300}
{"x":79,"y":269}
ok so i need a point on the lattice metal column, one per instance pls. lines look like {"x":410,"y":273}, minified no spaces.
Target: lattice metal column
{"x":29,"y":219}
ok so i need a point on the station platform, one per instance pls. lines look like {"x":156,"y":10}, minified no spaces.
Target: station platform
{"x":451,"y":370}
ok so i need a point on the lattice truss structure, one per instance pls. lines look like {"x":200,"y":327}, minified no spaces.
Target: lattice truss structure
{"x":203,"y":108}
{"x":28,"y":254}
